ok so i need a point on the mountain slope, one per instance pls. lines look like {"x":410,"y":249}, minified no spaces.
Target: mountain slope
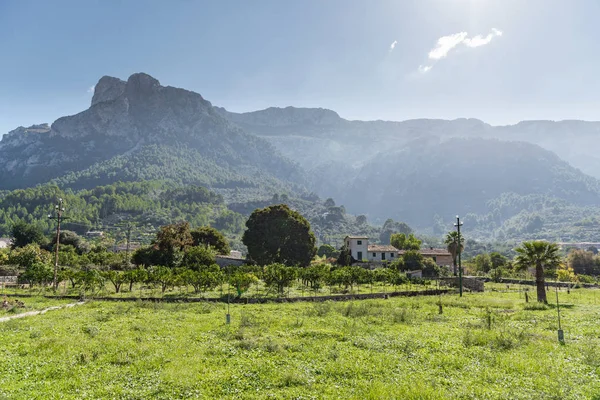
{"x":571,"y":140}
{"x":123,"y":118}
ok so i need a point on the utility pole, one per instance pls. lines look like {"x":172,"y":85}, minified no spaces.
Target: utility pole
{"x":58,"y":209}
{"x":458,"y":224}
{"x":128,"y":236}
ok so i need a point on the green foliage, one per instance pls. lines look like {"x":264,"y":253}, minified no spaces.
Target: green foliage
{"x":23,"y":234}
{"x":241,"y":279}
{"x":401,"y":241}
{"x":315,"y":275}
{"x":413,"y":260}
{"x":328,"y":251}
{"x":541,"y":256}
{"x":278,"y":234}
{"x":153,"y":203}
{"x":197,"y":257}
{"x":207,"y":236}
{"x":205,"y":278}
{"x":279,"y":276}
{"x":345,"y":256}
{"x":583,"y":262}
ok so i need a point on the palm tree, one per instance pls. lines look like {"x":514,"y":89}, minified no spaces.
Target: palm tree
{"x":452,"y":246}
{"x":539,"y":255}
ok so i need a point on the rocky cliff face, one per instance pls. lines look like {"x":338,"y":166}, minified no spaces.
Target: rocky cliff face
{"x":124,"y":116}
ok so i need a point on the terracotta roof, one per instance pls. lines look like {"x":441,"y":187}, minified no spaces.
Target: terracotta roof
{"x":431,"y":252}
{"x":380,"y":247}
{"x":356,"y":237}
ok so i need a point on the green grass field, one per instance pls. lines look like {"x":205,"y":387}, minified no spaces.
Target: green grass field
{"x":484,"y":346}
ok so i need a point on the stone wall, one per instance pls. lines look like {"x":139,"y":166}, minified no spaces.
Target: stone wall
{"x":472,"y":284}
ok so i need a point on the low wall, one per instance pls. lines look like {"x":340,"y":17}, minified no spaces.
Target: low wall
{"x":337,"y":297}
{"x":472,"y":284}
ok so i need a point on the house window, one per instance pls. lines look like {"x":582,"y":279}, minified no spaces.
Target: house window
{"x":374,"y":255}
{"x":359,"y":242}
{"x":391,"y":255}
{"x":382,"y":256}
{"x":359,"y":255}
{"x":348,"y":243}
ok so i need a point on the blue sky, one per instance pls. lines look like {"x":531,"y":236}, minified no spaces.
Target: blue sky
{"x":499,"y":61}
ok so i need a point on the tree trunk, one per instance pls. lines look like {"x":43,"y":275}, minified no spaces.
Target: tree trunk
{"x":540,"y":283}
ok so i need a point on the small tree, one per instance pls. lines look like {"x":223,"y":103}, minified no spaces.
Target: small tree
{"x":198,"y":257}
{"x":117,"y":278}
{"x":161,"y":275}
{"x":541,"y":256}
{"x":328,"y":251}
{"x":241,"y":280}
{"x":413,"y":260}
{"x":345,"y":257}
{"x":315,"y":275}
{"x":453,"y":246}
{"x":204,"y":279}
{"x":279,"y":276}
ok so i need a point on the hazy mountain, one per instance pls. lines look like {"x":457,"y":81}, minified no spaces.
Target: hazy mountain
{"x":123,"y":119}
{"x":287,"y":127}
{"x":426,"y":171}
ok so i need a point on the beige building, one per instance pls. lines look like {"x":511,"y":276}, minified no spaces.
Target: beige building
{"x":442,"y":257}
{"x":383,"y":253}
{"x":361,"y":250}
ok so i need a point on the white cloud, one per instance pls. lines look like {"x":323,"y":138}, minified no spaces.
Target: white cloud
{"x":393,"y":45}
{"x":91,"y":89}
{"x":445,"y":44}
{"x":479,"y":40}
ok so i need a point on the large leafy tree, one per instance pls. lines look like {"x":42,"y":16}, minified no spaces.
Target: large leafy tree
{"x":23,"y":234}
{"x":208,"y":236}
{"x":452,"y":245}
{"x":541,"y":256}
{"x":277,"y":234}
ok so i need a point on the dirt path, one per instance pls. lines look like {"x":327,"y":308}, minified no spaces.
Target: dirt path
{"x":30,"y":313}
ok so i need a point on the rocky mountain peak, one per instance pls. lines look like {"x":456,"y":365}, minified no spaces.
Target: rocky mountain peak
{"x":141,"y":83}
{"x":108,"y":88}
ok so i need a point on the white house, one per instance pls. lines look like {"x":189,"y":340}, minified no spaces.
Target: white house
{"x":361,"y":250}
{"x":358,"y":245}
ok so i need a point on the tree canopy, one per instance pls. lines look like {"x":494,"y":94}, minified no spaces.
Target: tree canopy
{"x":208,"y":236}
{"x":277,"y":234}
{"x":540,"y":255}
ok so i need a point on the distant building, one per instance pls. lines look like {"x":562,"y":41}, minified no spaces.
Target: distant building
{"x":225,"y":261}
{"x":5,"y":243}
{"x":94,"y":234}
{"x":361,"y":250}
{"x":442,"y":257}
{"x":235,"y":254}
